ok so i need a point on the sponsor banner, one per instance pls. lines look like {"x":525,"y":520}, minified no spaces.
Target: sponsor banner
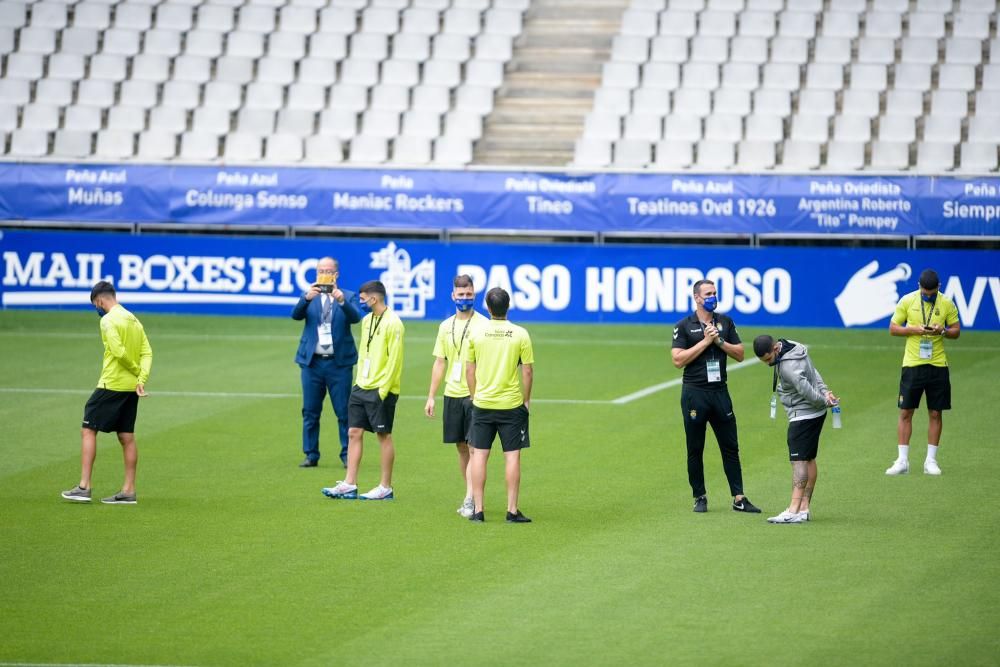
{"x":443,"y":200}
{"x":839,"y":287}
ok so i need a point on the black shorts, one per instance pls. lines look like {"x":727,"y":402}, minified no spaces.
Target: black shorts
{"x":803,"y":438}
{"x":512,"y":425}
{"x":457,"y":419}
{"x":111,"y":411}
{"x":915,"y":380}
{"x":366,"y":410}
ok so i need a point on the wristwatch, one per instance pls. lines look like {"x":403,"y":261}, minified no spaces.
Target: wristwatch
{"x":719,"y":342}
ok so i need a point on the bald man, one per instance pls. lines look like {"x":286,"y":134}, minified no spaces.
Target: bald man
{"x":326,"y":355}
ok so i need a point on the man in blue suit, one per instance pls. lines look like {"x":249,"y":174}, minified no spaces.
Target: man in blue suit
{"x":326,"y":355}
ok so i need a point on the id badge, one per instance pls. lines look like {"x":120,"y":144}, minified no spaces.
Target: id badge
{"x":926,"y":348}
{"x":325,"y":334}
{"x":366,"y":367}
{"x":714,"y":370}
{"x":456,"y":371}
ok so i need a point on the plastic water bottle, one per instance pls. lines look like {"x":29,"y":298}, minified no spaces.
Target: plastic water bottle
{"x":835,"y":410}
{"x":774,"y":406}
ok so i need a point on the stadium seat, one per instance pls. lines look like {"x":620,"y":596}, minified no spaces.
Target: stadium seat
{"x":591,"y":153}
{"x":734,"y":101}
{"x":942,"y":129}
{"x":723,"y":127}
{"x":36,"y":116}
{"x":242,"y":147}
{"x":852,"y":128}
{"x":934,"y":157}
{"x":860,"y":103}
{"x":479,"y":99}
{"x":168,"y":119}
{"x":901,"y":129}
{"x":283,"y":149}
{"x":682,"y":128}
{"x":29,"y":143}
{"x":58,"y":92}
{"x":817,"y":102}
{"x":762,"y":126}
{"x":631,"y":153}
{"x":978,"y":157}
{"x":755,"y":155}
{"x":126,"y":118}
{"x":890,"y":155}
{"x":339,"y":123}
{"x":800,"y":155}
{"x":199,"y":146}
{"x":409,"y":150}
{"x":296,"y":122}
{"x":115,"y":144}
{"x":72,"y":144}
{"x":715,"y":155}
{"x":673,"y":154}
{"x":84,"y":118}
{"x":845,"y":156}
{"x":323,"y":150}
{"x":644,"y":126}
{"x":452,"y":151}
{"x":692,"y":102}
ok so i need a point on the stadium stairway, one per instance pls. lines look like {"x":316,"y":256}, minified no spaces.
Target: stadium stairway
{"x":550,"y":83}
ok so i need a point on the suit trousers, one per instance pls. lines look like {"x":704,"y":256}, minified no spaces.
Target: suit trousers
{"x":702,"y":407}
{"x":319,"y":378}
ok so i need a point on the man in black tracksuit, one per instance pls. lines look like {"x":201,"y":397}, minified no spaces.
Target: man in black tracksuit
{"x":701,"y":344}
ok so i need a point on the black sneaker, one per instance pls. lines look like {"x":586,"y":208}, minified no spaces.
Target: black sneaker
{"x":517,"y":517}
{"x":309,"y":463}
{"x":478,"y":517}
{"x":701,"y":504}
{"x":744,"y":505}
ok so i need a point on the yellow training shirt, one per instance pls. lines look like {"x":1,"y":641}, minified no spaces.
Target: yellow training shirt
{"x":497,"y":349}
{"x":451,"y":345}
{"x":380,"y":353}
{"x":913,"y":311}
{"x":128,"y":358}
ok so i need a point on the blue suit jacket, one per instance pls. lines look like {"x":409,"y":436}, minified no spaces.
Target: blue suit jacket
{"x":345,"y":352}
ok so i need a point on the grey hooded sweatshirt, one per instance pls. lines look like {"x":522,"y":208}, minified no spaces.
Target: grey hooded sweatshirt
{"x":800,"y":386}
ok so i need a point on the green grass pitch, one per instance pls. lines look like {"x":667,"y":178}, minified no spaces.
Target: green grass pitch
{"x":233,"y":557}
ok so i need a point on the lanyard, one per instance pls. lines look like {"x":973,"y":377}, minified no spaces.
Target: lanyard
{"x":774,"y":382}
{"x":461,"y":341}
{"x":926,"y":315}
{"x":372,"y":329}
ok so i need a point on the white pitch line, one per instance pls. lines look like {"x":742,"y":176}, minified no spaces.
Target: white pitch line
{"x":642,"y":393}
{"x":73,"y":664}
{"x":256,"y":394}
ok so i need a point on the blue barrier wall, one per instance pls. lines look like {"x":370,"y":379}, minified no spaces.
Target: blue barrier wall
{"x":393,"y":199}
{"x":830,"y":287}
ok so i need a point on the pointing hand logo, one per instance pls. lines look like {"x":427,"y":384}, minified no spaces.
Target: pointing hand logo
{"x":868,"y":298}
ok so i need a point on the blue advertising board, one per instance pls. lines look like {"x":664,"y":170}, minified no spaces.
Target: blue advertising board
{"x":484,"y":200}
{"x":840,"y":287}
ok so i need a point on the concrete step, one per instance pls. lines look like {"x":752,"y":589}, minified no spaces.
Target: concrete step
{"x":560,"y":131}
{"x":555,"y":40}
{"x":539,"y":115}
{"x":557,"y":67}
{"x":526,"y":160}
{"x":576,"y":13}
{"x":572,"y":26}
{"x":554,"y":104}
{"x":567,"y":81}
{"x":586,"y":54}
{"x":526,"y":144}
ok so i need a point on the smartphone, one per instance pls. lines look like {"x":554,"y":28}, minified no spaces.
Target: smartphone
{"x":326,"y":288}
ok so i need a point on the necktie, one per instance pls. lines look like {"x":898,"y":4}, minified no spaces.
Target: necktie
{"x":327,"y":315}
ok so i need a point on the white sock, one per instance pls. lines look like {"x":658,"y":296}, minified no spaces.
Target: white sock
{"x":904,"y":453}
{"x":932,"y":452}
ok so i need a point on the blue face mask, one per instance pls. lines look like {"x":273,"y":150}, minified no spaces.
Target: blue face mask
{"x":711,"y":303}
{"x":364,"y":307}
{"x":929,"y":298}
{"x":464,"y":305}
{"x":100,"y":311}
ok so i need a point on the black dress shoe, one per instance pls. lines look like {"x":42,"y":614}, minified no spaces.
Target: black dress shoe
{"x":701,"y":504}
{"x":517,"y":517}
{"x":477,"y":517}
{"x":308,"y":463}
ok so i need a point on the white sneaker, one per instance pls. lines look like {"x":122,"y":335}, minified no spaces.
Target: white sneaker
{"x":787,"y":517}
{"x":467,"y":509}
{"x":342,"y":491}
{"x":378,"y":493}
{"x":805,"y":515}
{"x":931,"y":468}
{"x":898,"y":468}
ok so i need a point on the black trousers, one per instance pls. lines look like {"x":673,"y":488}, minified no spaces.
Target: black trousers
{"x":700,"y":407}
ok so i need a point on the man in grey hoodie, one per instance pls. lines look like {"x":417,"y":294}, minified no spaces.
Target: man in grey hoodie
{"x":805,"y":398}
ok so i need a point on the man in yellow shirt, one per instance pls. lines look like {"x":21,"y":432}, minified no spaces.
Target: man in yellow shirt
{"x":128,"y":359}
{"x":449,"y":360}
{"x":373,"y":397}
{"x":499,"y":402}
{"x":925,"y":318}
